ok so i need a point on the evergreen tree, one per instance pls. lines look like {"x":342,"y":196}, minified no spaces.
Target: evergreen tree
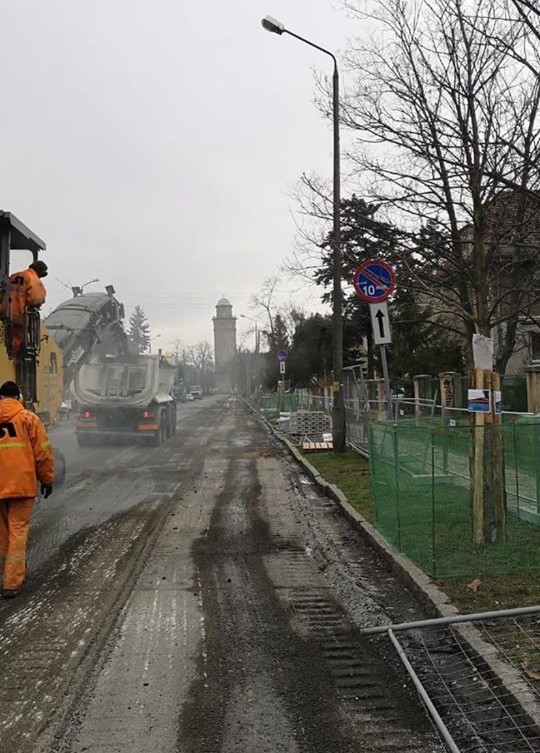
{"x":139,"y":331}
{"x":278,"y":339}
{"x":310,"y":356}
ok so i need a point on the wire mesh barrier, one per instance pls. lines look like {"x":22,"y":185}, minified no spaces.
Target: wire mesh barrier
{"x":422,"y":495}
{"x":271,"y":404}
{"x":477,"y":676}
{"x":513,"y":388}
{"x":421,"y":475}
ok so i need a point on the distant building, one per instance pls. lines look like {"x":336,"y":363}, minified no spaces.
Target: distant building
{"x":224,"y":345}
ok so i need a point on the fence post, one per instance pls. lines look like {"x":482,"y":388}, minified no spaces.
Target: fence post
{"x":396,"y":467}
{"x":537,"y":463}
{"x":488,"y":495}
{"x":533,"y":387}
{"x":446,"y":439}
{"x":433,"y":526}
{"x":419,"y":392}
{"x":514,"y":441}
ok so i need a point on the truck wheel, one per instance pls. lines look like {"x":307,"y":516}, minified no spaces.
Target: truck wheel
{"x":171,"y":422}
{"x":160,"y":434}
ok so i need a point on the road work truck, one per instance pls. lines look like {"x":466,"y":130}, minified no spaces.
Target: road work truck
{"x":128,"y":396}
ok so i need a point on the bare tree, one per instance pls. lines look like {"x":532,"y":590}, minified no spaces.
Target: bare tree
{"x":529,"y":13}
{"x":177,"y":349}
{"x":264,"y":304}
{"x":201,"y":356}
{"x":446,"y":122}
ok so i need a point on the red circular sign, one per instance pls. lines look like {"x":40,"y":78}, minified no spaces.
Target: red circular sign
{"x":374,"y":281}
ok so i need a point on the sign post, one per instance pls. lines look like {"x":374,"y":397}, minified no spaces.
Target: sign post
{"x":282,"y":358}
{"x":374,"y":282}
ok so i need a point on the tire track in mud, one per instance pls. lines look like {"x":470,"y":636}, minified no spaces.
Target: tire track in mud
{"x":53,"y":634}
{"x":284,"y":668}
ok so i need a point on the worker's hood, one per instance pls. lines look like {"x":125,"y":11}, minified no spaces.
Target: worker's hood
{"x":9,"y":408}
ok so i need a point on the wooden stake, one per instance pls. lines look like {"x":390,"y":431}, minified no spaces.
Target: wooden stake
{"x":488,"y":495}
{"x":476,"y":381}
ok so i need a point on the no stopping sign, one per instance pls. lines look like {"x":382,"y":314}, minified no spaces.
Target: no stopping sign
{"x":374,"y":281}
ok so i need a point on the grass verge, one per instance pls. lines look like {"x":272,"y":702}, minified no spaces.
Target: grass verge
{"x":473,"y":592}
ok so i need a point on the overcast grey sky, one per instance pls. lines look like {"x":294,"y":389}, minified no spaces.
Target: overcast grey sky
{"x":155,"y":144}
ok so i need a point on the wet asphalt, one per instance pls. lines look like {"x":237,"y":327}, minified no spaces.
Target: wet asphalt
{"x":189,"y":599}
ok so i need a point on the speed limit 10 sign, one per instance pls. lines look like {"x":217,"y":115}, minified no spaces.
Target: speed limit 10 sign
{"x":374,"y":281}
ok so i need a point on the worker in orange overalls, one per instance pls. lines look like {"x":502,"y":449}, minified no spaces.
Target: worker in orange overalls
{"x":25,"y":289}
{"x":26,"y":458}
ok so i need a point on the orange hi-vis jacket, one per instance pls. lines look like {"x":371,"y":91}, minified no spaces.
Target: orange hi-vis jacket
{"x":26,"y":456}
{"x":25,"y":289}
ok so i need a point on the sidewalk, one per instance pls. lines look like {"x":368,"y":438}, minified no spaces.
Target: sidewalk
{"x":433,"y":598}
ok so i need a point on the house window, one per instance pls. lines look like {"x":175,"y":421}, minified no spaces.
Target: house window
{"x":535,"y":346}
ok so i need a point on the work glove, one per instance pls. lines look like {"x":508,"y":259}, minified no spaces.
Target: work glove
{"x":46,"y":490}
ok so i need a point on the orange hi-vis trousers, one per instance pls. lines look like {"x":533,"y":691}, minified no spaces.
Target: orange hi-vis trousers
{"x":14,"y":527}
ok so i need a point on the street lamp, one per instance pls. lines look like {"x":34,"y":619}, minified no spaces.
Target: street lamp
{"x":244,"y":316}
{"x":338,"y":412}
{"x":78,"y":289}
{"x":253,"y":371}
{"x":150,"y":342}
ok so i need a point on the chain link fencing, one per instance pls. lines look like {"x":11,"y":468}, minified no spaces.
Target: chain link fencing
{"x":422,"y":495}
{"x":420,"y":462}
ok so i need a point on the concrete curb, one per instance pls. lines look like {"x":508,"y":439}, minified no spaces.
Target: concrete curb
{"x":434,"y":600}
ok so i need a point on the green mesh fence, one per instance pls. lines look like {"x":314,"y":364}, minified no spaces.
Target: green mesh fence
{"x":421,"y":494}
{"x":271,"y":404}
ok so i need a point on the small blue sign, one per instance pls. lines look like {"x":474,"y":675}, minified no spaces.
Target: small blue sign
{"x":374,"y":281}
{"x":282,"y":355}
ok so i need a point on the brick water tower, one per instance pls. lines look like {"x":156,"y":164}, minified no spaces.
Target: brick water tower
{"x":225,"y":345}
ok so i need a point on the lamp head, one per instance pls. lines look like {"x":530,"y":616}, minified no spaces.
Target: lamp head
{"x":270,"y":24}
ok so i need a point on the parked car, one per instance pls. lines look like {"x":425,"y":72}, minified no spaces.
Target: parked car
{"x":196,"y":391}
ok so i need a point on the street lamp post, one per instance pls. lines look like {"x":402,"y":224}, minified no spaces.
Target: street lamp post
{"x":77,"y":290}
{"x":338,"y":412}
{"x":244,"y":316}
{"x":150,"y":342}
{"x":253,"y":372}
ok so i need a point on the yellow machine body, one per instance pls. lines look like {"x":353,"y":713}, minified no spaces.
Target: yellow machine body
{"x":47,"y":362}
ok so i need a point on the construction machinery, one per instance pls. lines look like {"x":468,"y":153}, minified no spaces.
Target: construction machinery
{"x":86,"y":325}
{"x":37,"y":366}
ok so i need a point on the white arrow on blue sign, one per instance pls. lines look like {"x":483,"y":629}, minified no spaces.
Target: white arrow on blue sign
{"x":282,"y":355}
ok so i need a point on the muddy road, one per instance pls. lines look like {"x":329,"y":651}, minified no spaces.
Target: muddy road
{"x":201,"y":597}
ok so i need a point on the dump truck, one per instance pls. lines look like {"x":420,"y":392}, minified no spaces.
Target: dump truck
{"x":130,"y":396}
